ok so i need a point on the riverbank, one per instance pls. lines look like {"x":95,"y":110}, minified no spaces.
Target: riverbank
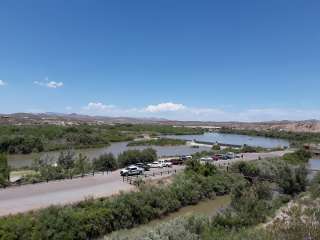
{"x":206,"y":208}
{"x":157,"y":142}
{"x":27,"y":139}
{"x":22,"y":160}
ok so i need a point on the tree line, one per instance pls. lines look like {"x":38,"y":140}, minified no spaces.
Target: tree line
{"x":68,"y":165}
{"x":28,"y":139}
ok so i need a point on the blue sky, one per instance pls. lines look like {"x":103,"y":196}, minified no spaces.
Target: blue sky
{"x":188,"y":60}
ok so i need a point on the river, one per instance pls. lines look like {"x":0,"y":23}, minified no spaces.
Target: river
{"x":20,"y":160}
{"x":236,"y":139}
{"x":207,"y":208}
{"x":314,"y":164}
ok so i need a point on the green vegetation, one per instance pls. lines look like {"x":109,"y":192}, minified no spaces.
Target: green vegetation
{"x":253,"y":202}
{"x":28,"y":139}
{"x":216,"y":147}
{"x":93,"y":218}
{"x":158,"y":142}
{"x":298,"y":157}
{"x":135,"y":156}
{"x":156,"y":129}
{"x":70,"y":165}
{"x":252,"y":186}
{"x":4,"y":171}
{"x":105,"y":162}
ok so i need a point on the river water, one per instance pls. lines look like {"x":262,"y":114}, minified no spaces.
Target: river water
{"x":19,"y":160}
{"x":236,"y":139}
{"x":314,"y":164}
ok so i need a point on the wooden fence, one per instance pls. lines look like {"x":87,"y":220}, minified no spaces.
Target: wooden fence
{"x":135,"y":178}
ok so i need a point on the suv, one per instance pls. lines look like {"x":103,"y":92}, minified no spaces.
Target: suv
{"x":145,"y":167}
{"x":165,"y":163}
{"x":131,"y":170}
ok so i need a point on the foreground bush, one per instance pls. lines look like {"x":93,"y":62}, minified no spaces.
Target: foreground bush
{"x":93,"y":218}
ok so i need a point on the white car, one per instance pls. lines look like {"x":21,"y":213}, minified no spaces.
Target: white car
{"x":131,"y":170}
{"x":156,"y":165}
{"x":165,"y":163}
{"x":206,"y":159}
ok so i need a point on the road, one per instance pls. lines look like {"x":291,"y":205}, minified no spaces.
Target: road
{"x":34,"y":196}
{"x":253,"y":156}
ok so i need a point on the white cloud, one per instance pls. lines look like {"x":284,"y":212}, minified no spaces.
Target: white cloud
{"x":165,"y":107}
{"x":2,"y":83}
{"x":98,"y":106}
{"x":53,"y":84}
{"x":176,"y":111}
{"x":49,"y":84}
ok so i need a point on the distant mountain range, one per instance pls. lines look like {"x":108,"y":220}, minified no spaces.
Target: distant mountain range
{"x":48,"y":117}
{"x":74,"y":118}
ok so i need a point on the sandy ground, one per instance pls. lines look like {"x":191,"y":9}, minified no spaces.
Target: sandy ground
{"x":34,"y":196}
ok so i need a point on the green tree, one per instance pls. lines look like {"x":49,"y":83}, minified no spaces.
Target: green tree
{"x":82,"y":165}
{"x":4,"y":170}
{"x":135,"y":156}
{"x":66,"y":161}
{"x":105,"y":162}
{"x":216,"y":147}
{"x":293,"y":180}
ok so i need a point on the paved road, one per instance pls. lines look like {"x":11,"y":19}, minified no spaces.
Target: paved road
{"x":253,"y":156}
{"x":29,"y":197}
{"x":34,"y":196}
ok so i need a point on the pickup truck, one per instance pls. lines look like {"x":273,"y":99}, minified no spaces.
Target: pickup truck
{"x":156,"y":165}
{"x":165,"y":163}
{"x":145,"y":166}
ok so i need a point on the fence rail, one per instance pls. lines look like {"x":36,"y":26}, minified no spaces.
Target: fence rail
{"x":18,"y":184}
{"x":134,"y":179}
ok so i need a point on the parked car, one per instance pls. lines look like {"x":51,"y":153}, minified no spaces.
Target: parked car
{"x":225,"y":157}
{"x":177,"y":161}
{"x":215,"y":158}
{"x":231,"y":155}
{"x":165,"y":163}
{"x":156,"y":165}
{"x":206,"y":159}
{"x":145,"y":166}
{"x":185,"y":158}
{"x":131,"y":170}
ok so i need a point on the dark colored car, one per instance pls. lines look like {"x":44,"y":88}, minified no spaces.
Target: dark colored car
{"x":226,"y":157}
{"x":215,"y":158}
{"x":177,"y":161}
{"x":146,"y":167}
